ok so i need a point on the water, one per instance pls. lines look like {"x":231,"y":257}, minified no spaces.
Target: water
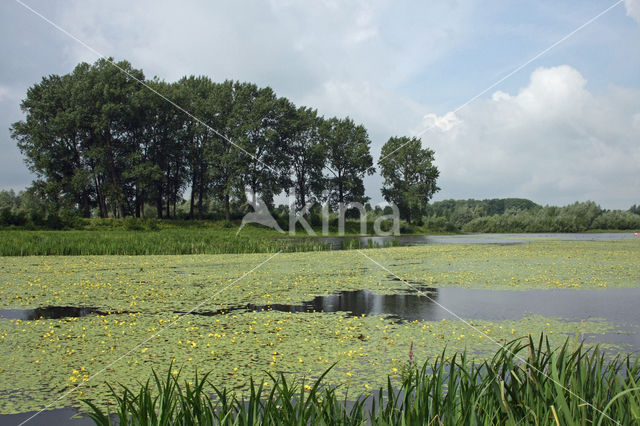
{"x":63,"y":416}
{"x":430,"y":304}
{"x":53,"y":312}
{"x":616,"y":305}
{"x":338,"y":243}
{"x":435,"y":304}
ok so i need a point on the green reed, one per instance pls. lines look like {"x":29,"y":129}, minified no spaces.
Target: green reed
{"x":145,"y":242}
{"x":524,"y":383}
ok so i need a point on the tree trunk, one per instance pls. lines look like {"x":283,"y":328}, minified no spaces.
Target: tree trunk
{"x":303,"y":199}
{"x":137,"y":201}
{"x":175,"y":201}
{"x":227,"y":208}
{"x":86,"y":207}
{"x":159,"y":201}
{"x":101,"y":202}
{"x":193,"y":190}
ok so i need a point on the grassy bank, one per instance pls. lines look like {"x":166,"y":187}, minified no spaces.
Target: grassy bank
{"x":522,"y":383}
{"x":169,"y":237}
{"x":168,"y":241}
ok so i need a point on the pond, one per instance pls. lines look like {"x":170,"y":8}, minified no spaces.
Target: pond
{"x":431,"y":304}
{"x":502,"y":282}
{"x":499,"y":239}
{"x":62,"y":416}
{"x":618,"y":306}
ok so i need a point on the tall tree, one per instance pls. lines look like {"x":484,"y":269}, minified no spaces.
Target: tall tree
{"x":161,"y":170}
{"x":306,"y":152}
{"x":51,"y":139}
{"x":226,"y":158}
{"x":198,"y":96}
{"x":256,"y":116}
{"x":409,"y":175}
{"x":110,"y":123}
{"x":348,"y":159}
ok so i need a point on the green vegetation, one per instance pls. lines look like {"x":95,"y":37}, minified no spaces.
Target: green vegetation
{"x":103,"y":145}
{"x":46,"y":357}
{"x":139,"y":296}
{"x":177,"y":283}
{"x":191,"y":240}
{"x":520,"y":215}
{"x":133,"y":236}
{"x":523,"y":382}
{"x":409,"y":175}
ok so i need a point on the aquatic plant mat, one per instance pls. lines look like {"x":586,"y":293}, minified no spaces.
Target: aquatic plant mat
{"x":526,"y":382}
{"x":130,"y":298}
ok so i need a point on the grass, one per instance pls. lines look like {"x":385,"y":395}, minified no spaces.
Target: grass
{"x":133,"y":236}
{"x":168,"y":241}
{"x":552,"y":387}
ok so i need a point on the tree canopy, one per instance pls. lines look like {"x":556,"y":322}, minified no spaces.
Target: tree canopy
{"x":101,"y":143}
{"x":409,"y":175}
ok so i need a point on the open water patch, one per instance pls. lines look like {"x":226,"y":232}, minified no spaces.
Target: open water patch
{"x":435,"y":304}
{"x":339,"y":243}
{"x":54,"y":312}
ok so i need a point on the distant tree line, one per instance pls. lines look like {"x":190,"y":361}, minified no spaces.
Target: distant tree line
{"x":521,"y":215}
{"x":101,"y":144}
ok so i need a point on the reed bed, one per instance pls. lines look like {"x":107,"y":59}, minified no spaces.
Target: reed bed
{"x":553,"y":387}
{"x":157,"y":242}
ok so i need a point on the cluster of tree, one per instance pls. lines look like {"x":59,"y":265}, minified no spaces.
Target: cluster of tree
{"x":100,"y":143}
{"x":457,"y":213}
{"x":27,"y":209}
{"x":521,"y":215}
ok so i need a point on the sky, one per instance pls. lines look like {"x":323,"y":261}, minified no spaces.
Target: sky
{"x":459,"y":74}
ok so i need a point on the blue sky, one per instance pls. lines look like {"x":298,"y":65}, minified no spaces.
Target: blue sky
{"x":564,"y":128}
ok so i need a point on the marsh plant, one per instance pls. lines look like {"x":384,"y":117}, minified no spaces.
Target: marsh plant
{"x":524,"y":382}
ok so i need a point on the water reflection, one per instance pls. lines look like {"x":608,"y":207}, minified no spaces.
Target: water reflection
{"x":435,"y":304}
{"x":338,"y":243}
{"x":53,"y":312}
{"x":62,"y":416}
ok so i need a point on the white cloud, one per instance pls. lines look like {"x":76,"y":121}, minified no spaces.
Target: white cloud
{"x":633,"y":9}
{"x":386,"y":113}
{"x":8,"y":93}
{"x":553,"y":141}
{"x":296,"y":47}
{"x":371,"y":59}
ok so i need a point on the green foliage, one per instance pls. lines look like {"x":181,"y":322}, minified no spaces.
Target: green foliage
{"x":524,"y":382}
{"x":307,"y":152}
{"x":577,"y":217}
{"x":409,"y":175}
{"x":616,"y":219}
{"x":98,"y":141}
{"x":148,"y":238}
{"x":348,"y":159}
